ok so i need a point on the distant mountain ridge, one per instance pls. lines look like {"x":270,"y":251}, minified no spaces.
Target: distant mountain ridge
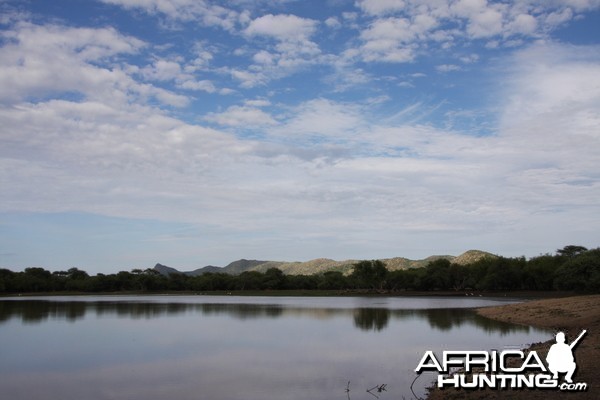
{"x":321,"y":265}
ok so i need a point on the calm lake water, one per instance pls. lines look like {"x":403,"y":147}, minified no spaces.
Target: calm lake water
{"x":228,"y":347}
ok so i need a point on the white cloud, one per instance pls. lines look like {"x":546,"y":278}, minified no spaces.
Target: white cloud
{"x":187,"y":10}
{"x":557,"y":18}
{"x":257,"y":103}
{"x":294,"y":54}
{"x":380,"y":7}
{"x":162,"y":70}
{"x":485,"y":24}
{"x":399,"y":29}
{"x":541,"y":160}
{"x":99,"y":139}
{"x":581,"y":5}
{"x":468,"y":8}
{"x":321,"y":119}
{"x":203,"y":85}
{"x":97,"y":158}
{"x":51,"y":59}
{"x":333,"y":23}
{"x":328,"y":168}
{"x":264,"y":57}
{"x":389,"y":40}
{"x":558,"y":89}
{"x":203,"y":57}
{"x":248,"y":79}
{"x":347,"y":76}
{"x":282,"y":27}
{"x":245,"y":117}
{"x":524,"y":24}
{"x":447,"y":68}
{"x":549,"y":131}
{"x":484,"y":19}
{"x":183,"y":75}
{"x":469,"y":59}
{"x":292,"y":50}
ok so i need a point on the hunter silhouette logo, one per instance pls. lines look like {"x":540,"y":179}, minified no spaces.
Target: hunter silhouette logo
{"x":560,"y":357}
{"x":500,"y":372}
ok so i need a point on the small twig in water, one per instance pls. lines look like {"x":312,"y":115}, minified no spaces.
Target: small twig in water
{"x":411,"y":386}
{"x":380,"y":388}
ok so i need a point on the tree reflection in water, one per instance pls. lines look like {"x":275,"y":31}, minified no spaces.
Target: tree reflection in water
{"x":367,"y":319}
{"x":371,"y":319}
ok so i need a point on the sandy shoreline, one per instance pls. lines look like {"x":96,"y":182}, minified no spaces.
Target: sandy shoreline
{"x":568,"y":314}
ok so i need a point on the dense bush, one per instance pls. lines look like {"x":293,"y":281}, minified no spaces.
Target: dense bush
{"x":573,"y":268}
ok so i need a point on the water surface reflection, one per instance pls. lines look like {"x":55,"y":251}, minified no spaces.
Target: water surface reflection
{"x":230,"y":348}
{"x":365,"y":318}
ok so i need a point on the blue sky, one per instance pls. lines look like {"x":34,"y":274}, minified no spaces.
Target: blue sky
{"x":195,"y":133}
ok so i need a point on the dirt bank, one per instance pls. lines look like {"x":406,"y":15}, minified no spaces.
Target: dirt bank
{"x":568,"y":314}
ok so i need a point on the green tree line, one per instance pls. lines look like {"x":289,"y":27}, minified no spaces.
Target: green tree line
{"x":573,"y":268}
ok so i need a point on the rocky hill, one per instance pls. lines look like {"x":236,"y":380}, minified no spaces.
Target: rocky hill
{"x":234,"y":268}
{"x":469,"y":257}
{"x":164,"y":270}
{"x":321,"y":265}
